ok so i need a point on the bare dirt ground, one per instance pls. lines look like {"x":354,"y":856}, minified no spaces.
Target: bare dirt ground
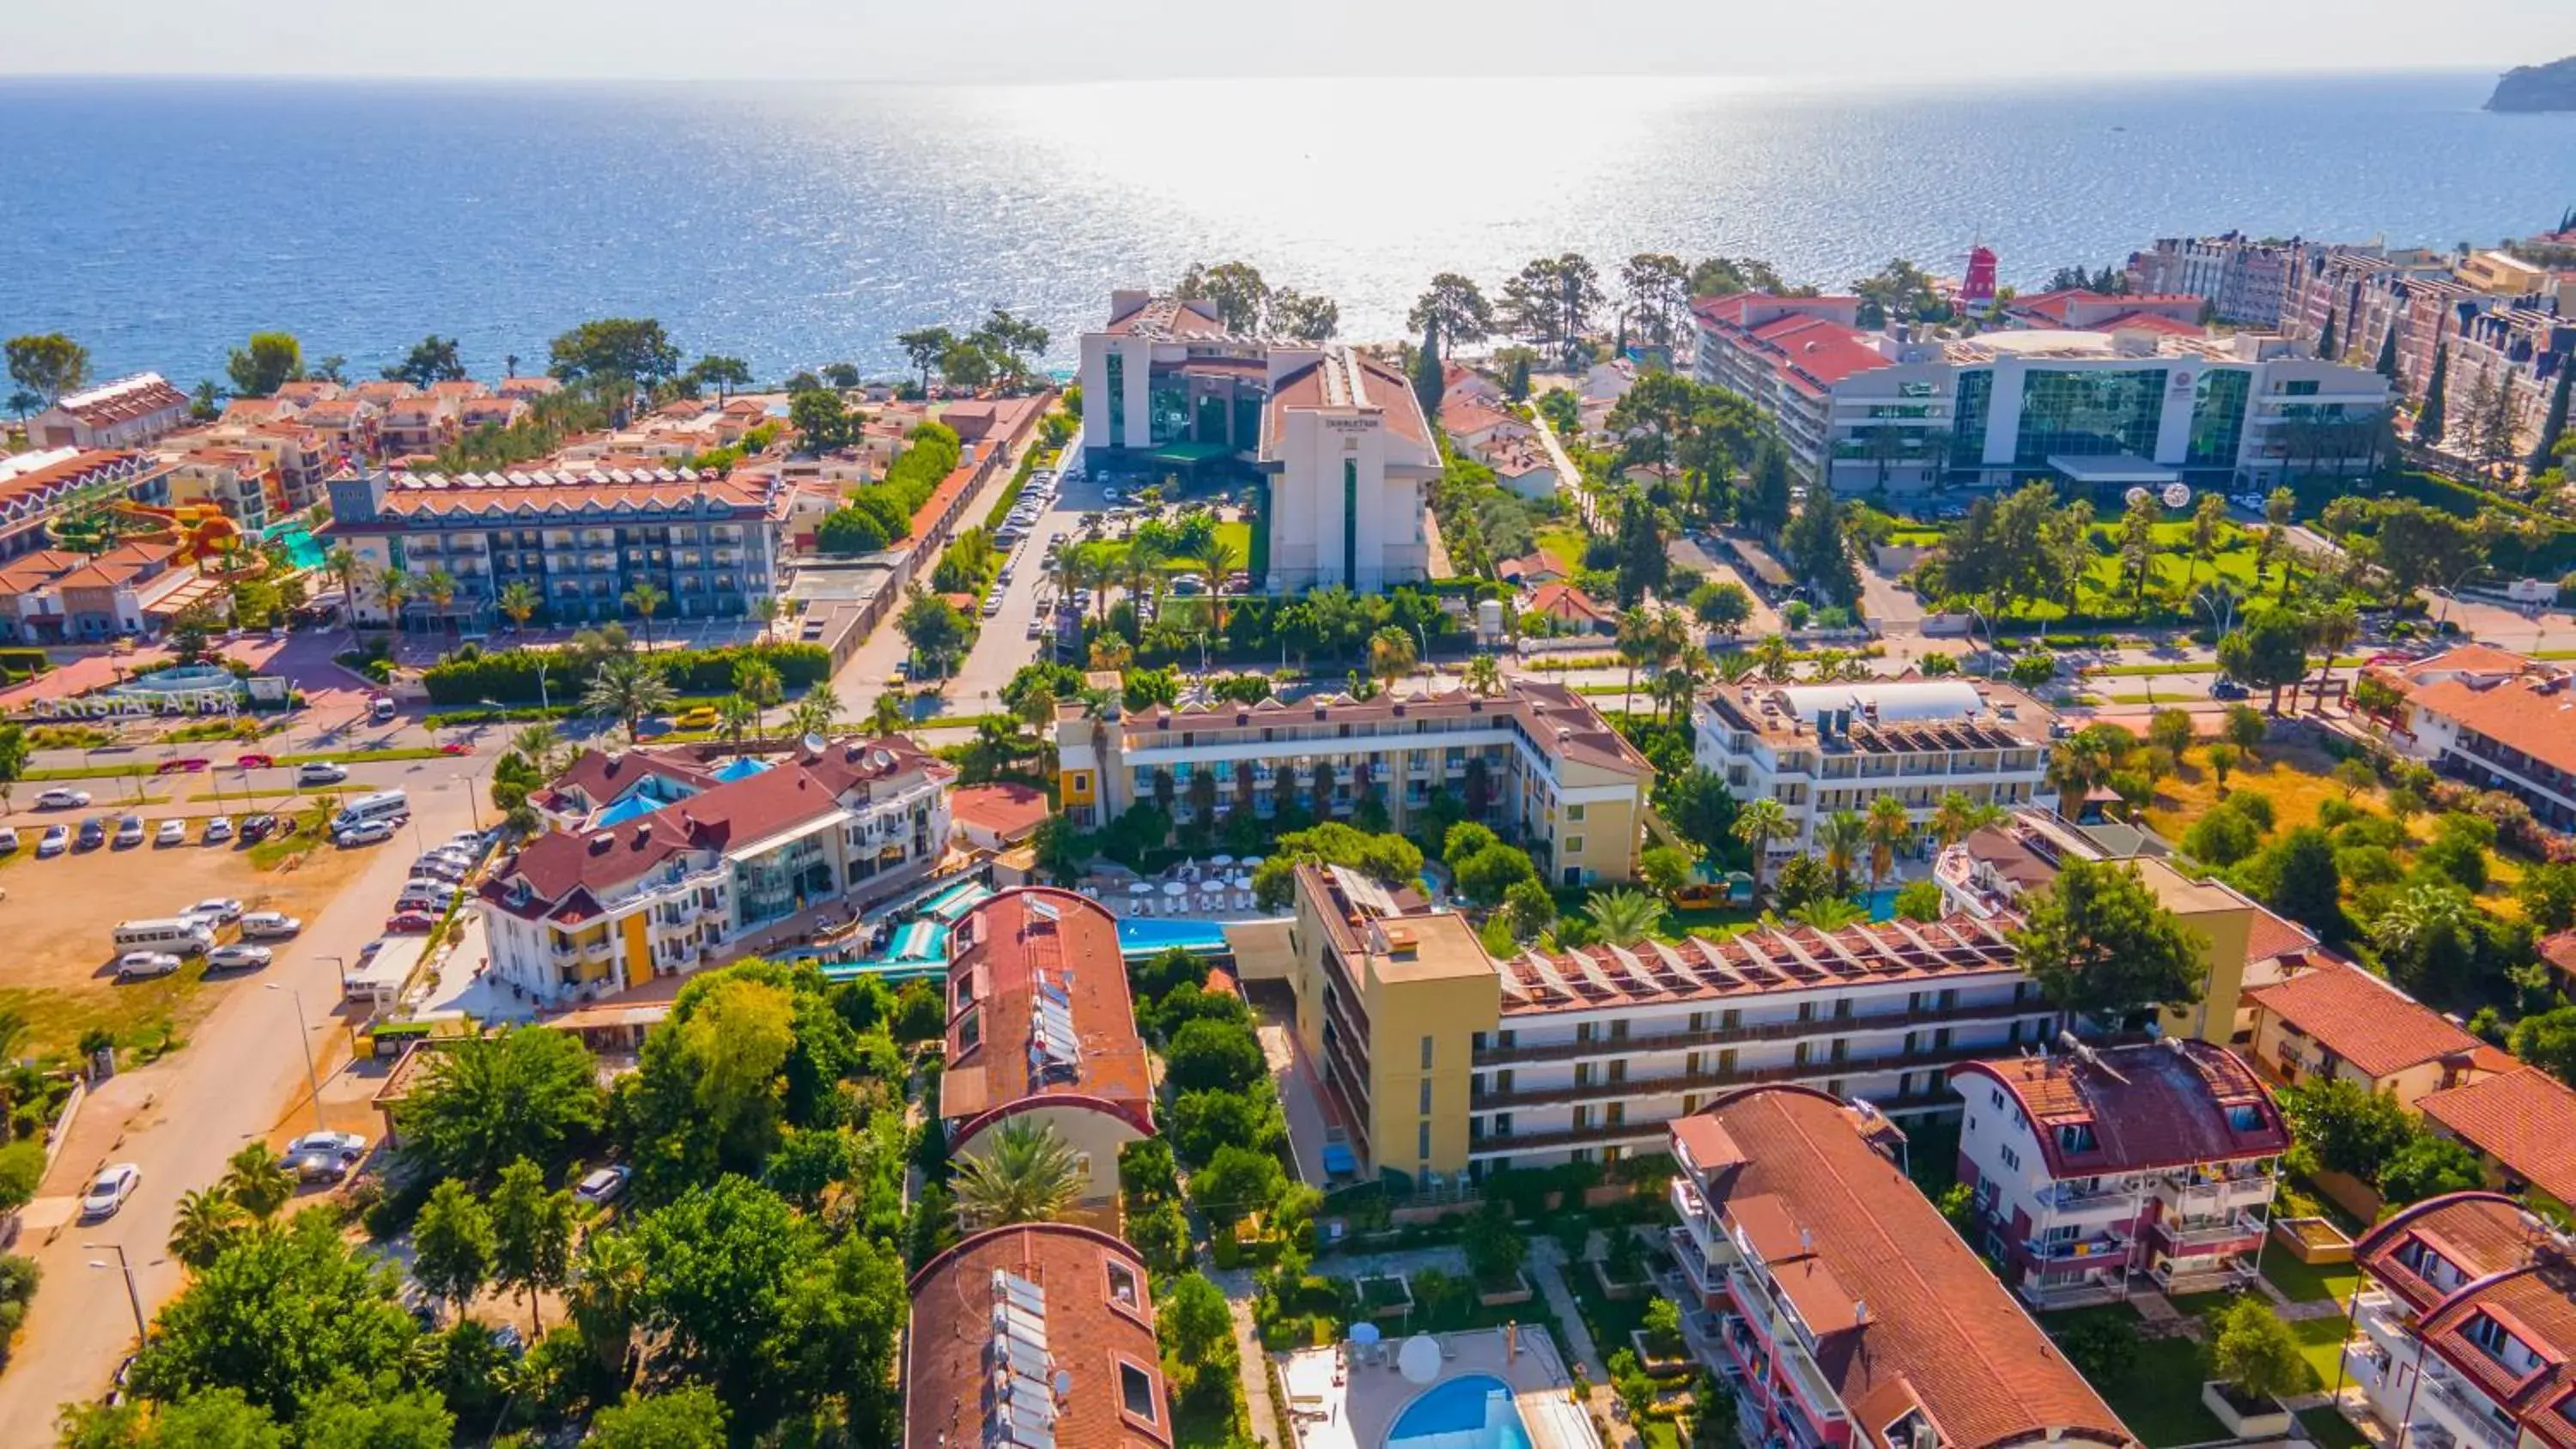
{"x":57,"y":963}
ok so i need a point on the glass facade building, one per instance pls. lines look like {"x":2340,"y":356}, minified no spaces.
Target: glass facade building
{"x":2218,"y":417}
{"x":1968,"y":420}
{"x":2088,"y":412}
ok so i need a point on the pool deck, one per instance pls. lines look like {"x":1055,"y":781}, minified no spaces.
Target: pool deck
{"x":1336,"y":1402}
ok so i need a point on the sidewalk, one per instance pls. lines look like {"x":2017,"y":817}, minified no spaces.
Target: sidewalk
{"x":1252,"y":1362}
{"x":1544,"y":1260}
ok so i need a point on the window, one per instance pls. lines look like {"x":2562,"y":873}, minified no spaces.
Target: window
{"x":1574,"y":813}
{"x":2089,"y":412}
{"x":1422,"y":1143}
{"x":2488,"y":1334}
{"x":2012,"y":1159}
{"x":1351,"y":522}
{"x":2076,"y":1137}
{"x":2244,"y":1117}
{"x":1426,"y":1096}
{"x":1426,"y":1053}
{"x":1117,"y":378}
{"x":1136,"y":1391}
{"x":1574,"y":845}
{"x":1123,"y":1287}
{"x":970,"y":1030}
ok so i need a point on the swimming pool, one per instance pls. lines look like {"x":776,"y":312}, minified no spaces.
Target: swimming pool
{"x":300,"y":547}
{"x":185,"y":679}
{"x":1148,"y":937}
{"x":1473,"y":1412}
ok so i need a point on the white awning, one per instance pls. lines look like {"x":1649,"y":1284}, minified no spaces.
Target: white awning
{"x":791,"y":834}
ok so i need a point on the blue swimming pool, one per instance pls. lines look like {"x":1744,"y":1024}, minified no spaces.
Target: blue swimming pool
{"x":1881,"y":903}
{"x":1462,"y":1413}
{"x":1147,"y":937}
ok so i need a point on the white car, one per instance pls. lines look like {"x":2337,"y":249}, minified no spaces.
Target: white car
{"x":603,"y":1185}
{"x":368,"y":832}
{"x":8,"y":841}
{"x":172,"y":832}
{"x":238,"y":958}
{"x":109,"y":1190}
{"x":323,"y":1156}
{"x":269,"y":926}
{"x":62,"y":800}
{"x":144,"y":965}
{"x":319,"y":772}
{"x":223,"y":908}
{"x":218,"y":830}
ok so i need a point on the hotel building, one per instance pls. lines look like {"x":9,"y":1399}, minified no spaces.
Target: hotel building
{"x":2105,"y":1171}
{"x":39,"y":486}
{"x":1343,"y":454}
{"x":1033,"y":1336}
{"x":1439,"y":1061}
{"x":581,"y":540}
{"x":2244,"y":281}
{"x":2466,"y":1324}
{"x":1535,"y":762}
{"x":1820,"y":748}
{"x":2133,"y":398}
{"x":1837,"y":1304}
{"x":126,"y":413}
{"x":1040,"y":1027}
{"x":664,"y":862}
{"x":2493,"y":718}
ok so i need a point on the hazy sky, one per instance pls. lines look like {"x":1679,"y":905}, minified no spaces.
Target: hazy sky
{"x":1014,"y":40}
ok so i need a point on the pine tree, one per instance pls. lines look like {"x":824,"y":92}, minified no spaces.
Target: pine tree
{"x":1426,"y":374}
{"x":2326,"y":339}
{"x":2554,"y":422}
{"x":2428,"y":420}
{"x":2387,"y":365}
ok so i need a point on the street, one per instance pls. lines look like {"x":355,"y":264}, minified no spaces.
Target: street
{"x":238,"y":1079}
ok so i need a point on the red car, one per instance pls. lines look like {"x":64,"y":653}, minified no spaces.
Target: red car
{"x":255,"y":762}
{"x":190,"y":765}
{"x":456,"y":747}
{"x":410,"y":923}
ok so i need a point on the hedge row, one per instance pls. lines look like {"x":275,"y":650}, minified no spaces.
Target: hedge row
{"x":510,"y":676}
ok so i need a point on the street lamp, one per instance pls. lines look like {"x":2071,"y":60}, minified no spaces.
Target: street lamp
{"x":304,"y":1034}
{"x":1991,"y":642}
{"x":2472,"y":571}
{"x":133,"y":1295}
{"x":342,"y":962}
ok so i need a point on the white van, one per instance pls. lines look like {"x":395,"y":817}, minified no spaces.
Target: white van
{"x":382,"y":805}
{"x":180,"y":935}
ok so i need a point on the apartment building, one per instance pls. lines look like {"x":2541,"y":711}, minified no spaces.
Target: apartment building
{"x":126,"y":413}
{"x":1991,"y":873}
{"x":1342,"y":453}
{"x":2466,"y":1325}
{"x":2101,"y":1171}
{"x":1040,"y":1028}
{"x":2515,"y":1118}
{"x":582,"y":540}
{"x":2333,"y":1021}
{"x":2500,"y":321}
{"x":2110,"y":392}
{"x":2245,"y":281}
{"x":418,"y":425}
{"x":1821,"y":748}
{"x":235,"y":481}
{"x":2493,"y":718}
{"x":1535,"y":762}
{"x":663,"y":862}
{"x":41,"y":485}
{"x":1033,"y":1336}
{"x":1441,"y":1061}
{"x":1837,"y":1304}
{"x":131,"y":591}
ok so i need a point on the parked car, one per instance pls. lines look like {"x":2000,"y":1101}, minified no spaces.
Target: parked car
{"x":604,"y":1185}
{"x":8,"y":841}
{"x":57,"y":839}
{"x":323,"y":1156}
{"x":189,"y":766}
{"x":239,"y":957}
{"x":93,"y":833}
{"x":269,"y":926}
{"x":369,"y":832}
{"x":431,"y":867}
{"x":218,"y":830}
{"x":62,"y":800}
{"x":129,"y":832}
{"x":255,"y":762}
{"x":258,"y":828}
{"x":320,"y":772}
{"x":409,"y":923}
{"x":144,"y":965}
{"x":2228,"y":689}
{"x":223,"y":908}
{"x":109,"y":1190}
{"x":701,"y":718}
{"x":172,"y":832}
{"x":380,"y":709}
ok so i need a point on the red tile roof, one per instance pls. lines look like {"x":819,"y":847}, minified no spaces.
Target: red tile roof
{"x":1559,"y":600}
{"x":1385,"y":390}
{"x":2360,"y":1018}
{"x":950,"y":1368}
{"x":2510,"y":700}
{"x":2477,"y":1233}
{"x":1007,"y":810}
{"x":2506,"y":1267}
{"x":1168,"y":317}
{"x":556,"y":865}
{"x":2164,"y":1104}
{"x":1008,"y":954}
{"x":2525,"y":1119}
{"x":1920,"y":1320}
{"x":123,"y":400}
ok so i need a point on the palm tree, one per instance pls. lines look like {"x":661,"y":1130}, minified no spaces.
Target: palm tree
{"x":1623,"y":917}
{"x":736,"y":717}
{"x":1390,"y":656}
{"x":520,"y":601}
{"x":606,"y":1296}
{"x":1636,"y":646}
{"x":256,"y":1182}
{"x":644,"y":598}
{"x":2330,"y":631}
{"x":1141,"y":570}
{"x":628,"y":687}
{"x":439,"y":587}
{"x":538,"y":744}
{"x":394,"y":588}
{"x":207,"y":1222}
{"x":1219,"y":558}
{"x":1758,"y":824}
{"x":758,"y":680}
{"x":1829,"y":913}
{"x":349,"y":571}
{"x":1841,"y":838}
{"x":765,"y":609}
{"x":1484,"y":675}
{"x":1771,"y":657}
{"x":1958,"y":817}
{"x":887,"y":717}
{"x":1026,"y":1174}
{"x":1889,"y":829}
{"x":816,"y":713}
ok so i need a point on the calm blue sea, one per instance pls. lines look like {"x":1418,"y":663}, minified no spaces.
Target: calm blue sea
{"x":161,"y":221}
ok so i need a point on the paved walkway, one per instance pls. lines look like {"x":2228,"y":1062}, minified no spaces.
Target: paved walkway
{"x":1253,"y":1362}
{"x":1544,"y":1260}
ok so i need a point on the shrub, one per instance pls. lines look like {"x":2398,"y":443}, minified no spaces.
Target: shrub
{"x":510,"y":675}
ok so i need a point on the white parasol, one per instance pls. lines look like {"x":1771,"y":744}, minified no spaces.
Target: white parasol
{"x":1419,"y":1359}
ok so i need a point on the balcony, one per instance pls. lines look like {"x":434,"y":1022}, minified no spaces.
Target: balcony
{"x":2468,"y":1415}
{"x":2067,"y":1197}
{"x":2202,"y":1198}
{"x":2200,"y":1235}
{"x":1597,"y":1135}
{"x":1630,"y":1046}
{"x":2095,"y":1248}
{"x":1822,"y":1068}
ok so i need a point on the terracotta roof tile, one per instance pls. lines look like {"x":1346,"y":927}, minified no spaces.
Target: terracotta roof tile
{"x":1007,"y":810}
{"x":2160,"y":1105}
{"x":2504,"y":1266}
{"x":2361,"y":1018}
{"x":1934,"y":1326}
{"x":1008,"y":953}
{"x":2525,"y":1119}
{"x":950,"y":1368}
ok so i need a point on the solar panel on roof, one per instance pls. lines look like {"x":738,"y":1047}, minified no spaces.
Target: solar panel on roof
{"x":1019,"y":1291}
{"x":1044,"y":910}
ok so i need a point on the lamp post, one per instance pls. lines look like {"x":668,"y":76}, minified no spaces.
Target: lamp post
{"x":342,"y":962}
{"x":2472,"y":571}
{"x":1991,"y":642}
{"x":304,"y":1035}
{"x":133,"y":1295}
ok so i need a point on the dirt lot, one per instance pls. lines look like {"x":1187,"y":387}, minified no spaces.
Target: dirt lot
{"x":58,"y":914}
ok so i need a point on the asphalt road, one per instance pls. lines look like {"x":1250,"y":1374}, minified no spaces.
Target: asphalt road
{"x":239,"y":1077}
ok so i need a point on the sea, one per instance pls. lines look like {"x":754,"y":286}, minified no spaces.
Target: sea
{"x":161,"y":221}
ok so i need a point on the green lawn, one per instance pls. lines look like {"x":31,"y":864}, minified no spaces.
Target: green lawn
{"x":2173,"y":572}
{"x":2309,"y":1283}
{"x":2331,"y":1430}
{"x":1563,"y":544}
{"x":2159,"y":1396}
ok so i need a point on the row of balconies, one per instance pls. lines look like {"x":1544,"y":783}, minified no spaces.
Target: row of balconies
{"x":1636,"y":1043}
{"x":1678,"y":1083}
